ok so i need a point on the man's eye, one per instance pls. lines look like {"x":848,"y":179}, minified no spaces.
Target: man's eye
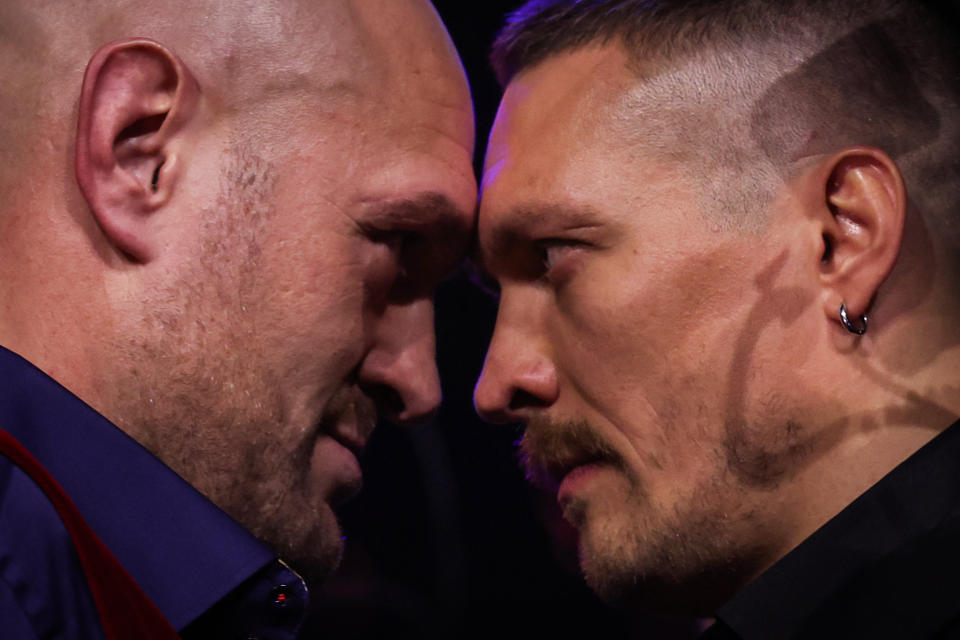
{"x":551,"y":251}
{"x":392,"y":240}
{"x":386,"y":257}
{"x":402,"y":245}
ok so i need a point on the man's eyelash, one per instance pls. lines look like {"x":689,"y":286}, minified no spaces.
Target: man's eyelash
{"x":545,"y":246}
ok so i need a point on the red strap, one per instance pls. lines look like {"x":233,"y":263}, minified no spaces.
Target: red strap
{"x":126,"y":613}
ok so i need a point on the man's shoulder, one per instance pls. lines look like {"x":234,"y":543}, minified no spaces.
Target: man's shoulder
{"x":910,"y":592}
{"x":43,"y":589}
{"x":887,"y":566}
{"x":178,"y":547}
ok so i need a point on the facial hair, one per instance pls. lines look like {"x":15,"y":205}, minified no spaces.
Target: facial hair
{"x":632,"y":550}
{"x":194,"y":388}
{"x":549,"y":445}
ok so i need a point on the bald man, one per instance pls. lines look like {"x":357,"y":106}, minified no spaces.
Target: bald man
{"x":726,"y":235}
{"x":222,"y":224}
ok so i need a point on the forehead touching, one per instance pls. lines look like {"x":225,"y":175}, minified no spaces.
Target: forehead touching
{"x":567,"y":150}
{"x":565,"y":97}
{"x":364,"y":105}
{"x":551,"y":117}
{"x":417,"y":98}
{"x":374,"y":87}
{"x":418,"y":116}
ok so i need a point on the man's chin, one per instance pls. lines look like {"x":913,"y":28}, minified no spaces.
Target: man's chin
{"x":310,"y":542}
{"x":626,"y":585}
{"x":318,"y":564}
{"x":657,"y":570}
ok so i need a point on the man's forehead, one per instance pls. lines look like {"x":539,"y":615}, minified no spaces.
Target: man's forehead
{"x":544,"y":160}
{"x":564,"y":96}
{"x":365,"y":48}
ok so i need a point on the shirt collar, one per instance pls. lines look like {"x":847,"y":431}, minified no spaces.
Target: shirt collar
{"x":905,"y":505}
{"x":184,"y":552}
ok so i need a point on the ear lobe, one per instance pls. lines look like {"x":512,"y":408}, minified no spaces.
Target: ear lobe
{"x":135,"y":99}
{"x":862,"y":228}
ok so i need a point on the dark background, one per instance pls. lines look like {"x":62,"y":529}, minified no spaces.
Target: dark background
{"x":447,"y":540}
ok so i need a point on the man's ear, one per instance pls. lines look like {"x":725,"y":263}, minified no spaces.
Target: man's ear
{"x":861,"y":214}
{"x":136,"y":98}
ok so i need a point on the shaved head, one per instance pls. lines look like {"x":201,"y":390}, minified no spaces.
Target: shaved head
{"x":241,"y":53}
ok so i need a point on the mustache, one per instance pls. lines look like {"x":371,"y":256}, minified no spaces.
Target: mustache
{"x":551,"y":448}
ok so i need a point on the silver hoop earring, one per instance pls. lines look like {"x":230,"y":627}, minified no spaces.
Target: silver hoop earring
{"x":862,"y":329}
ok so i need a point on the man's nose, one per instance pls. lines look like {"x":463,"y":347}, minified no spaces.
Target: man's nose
{"x":518,"y":374}
{"x":400,"y":371}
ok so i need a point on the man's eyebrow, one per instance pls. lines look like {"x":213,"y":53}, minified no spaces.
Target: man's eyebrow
{"x":443,"y":233}
{"x":429,"y":209}
{"x":526,"y":218}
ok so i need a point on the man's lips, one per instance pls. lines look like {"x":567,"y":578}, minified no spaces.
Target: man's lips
{"x":344,"y":430}
{"x":351,"y":440}
{"x":350,"y":421}
{"x":575,"y":479}
{"x":552,"y":474}
{"x":335,"y":470}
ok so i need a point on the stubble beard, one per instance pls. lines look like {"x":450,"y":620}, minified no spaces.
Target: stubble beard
{"x":676,"y":558}
{"x":239,"y":459}
{"x":197,"y":393}
{"x":678,"y":561}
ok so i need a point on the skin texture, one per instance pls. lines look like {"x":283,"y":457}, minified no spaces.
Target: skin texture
{"x":258,"y":222}
{"x":678,"y":377}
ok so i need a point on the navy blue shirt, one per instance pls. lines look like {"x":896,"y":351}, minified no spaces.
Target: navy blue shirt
{"x":185,"y":553}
